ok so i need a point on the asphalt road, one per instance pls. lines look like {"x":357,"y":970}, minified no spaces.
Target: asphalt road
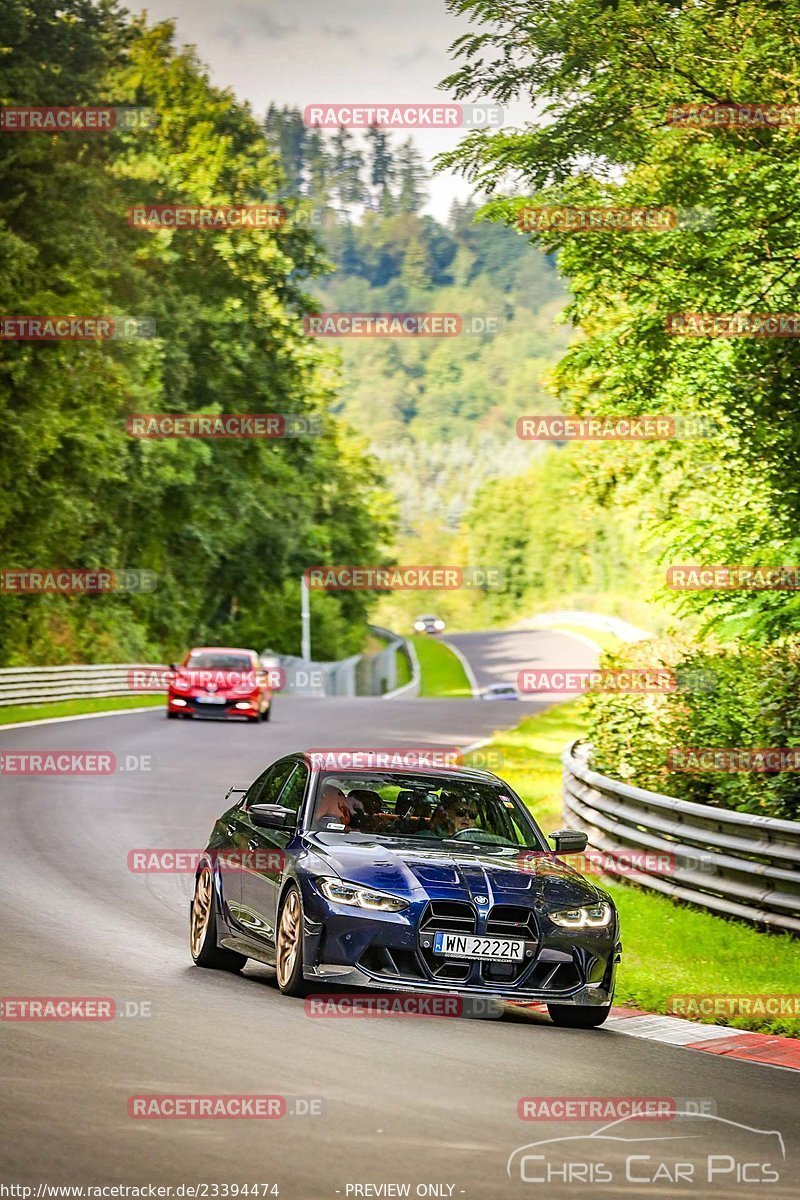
{"x":403,"y":1101}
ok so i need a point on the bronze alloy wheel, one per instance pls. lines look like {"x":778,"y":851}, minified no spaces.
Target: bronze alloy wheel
{"x":289,"y":934}
{"x":201,"y":910}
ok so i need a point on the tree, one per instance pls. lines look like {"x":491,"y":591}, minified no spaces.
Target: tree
{"x":603,"y":77}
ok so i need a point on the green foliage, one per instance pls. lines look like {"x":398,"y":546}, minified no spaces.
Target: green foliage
{"x":228,"y":526}
{"x":555,"y":544}
{"x":735,"y":697}
{"x":603,"y":77}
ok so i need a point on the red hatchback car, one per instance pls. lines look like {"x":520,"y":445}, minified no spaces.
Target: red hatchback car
{"x":220,"y":681}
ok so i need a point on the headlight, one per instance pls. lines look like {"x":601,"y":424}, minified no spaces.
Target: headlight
{"x":360,"y":897}
{"x":438,"y":624}
{"x":419,"y":626}
{"x":593,"y":916}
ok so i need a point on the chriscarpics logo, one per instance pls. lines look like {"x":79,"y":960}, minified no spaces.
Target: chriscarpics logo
{"x":694,"y":1152}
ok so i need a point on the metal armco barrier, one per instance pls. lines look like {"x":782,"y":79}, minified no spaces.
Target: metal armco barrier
{"x":36,"y":685}
{"x":731,"y":863}
{"x":359,"y":675}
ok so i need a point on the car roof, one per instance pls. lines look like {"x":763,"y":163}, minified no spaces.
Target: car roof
{"x":470,"y":773}
{"x":221,"y":650}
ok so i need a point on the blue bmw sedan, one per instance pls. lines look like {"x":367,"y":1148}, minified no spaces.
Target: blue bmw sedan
{"x":425,"y":880}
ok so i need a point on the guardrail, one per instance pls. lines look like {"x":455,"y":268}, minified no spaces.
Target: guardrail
{"x":36,"y":685}
{"x":731,"y":863}
{"x":359,"y":675}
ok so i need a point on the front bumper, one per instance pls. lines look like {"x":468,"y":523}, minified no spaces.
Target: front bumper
{"x":193,"y":707}
{"x":393,"y":951}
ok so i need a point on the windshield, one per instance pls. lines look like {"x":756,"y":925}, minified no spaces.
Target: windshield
{"x":425,"y":808}
{"x":217,"y":661}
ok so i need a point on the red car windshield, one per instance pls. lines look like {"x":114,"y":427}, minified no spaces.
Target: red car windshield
{"x":219,"y":662}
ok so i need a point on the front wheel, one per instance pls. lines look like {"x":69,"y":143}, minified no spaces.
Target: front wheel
{"x":267,"y":713}
{"x":203,"y":928}
{"x":289,"y":945}
{"x":573,"y":1017}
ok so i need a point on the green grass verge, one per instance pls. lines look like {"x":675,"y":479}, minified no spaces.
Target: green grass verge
{"x":669,"y":949}
{"x":440,"y":670}
{"x":74,"y":708}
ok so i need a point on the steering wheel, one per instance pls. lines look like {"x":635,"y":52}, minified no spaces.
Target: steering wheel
{"x":465,"y":833}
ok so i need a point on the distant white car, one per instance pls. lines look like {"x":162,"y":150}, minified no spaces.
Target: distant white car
{"x":500,"y":691}
{"x":428,"y":624}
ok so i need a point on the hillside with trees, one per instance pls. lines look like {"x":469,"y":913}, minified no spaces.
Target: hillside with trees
{"x":440,"y":413}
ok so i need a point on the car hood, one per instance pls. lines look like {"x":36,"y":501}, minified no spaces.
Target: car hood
{"x":535,"y":878}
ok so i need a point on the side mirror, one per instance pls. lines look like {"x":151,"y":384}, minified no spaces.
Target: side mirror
{"x":568,"y":841}
{"x":174,"y":667}
{"x":272,"y":816}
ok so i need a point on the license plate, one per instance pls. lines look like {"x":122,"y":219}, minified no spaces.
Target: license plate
{"x":211,"y":700}
{"x":470,"y":945}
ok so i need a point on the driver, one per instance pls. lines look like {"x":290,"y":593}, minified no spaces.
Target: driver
{"x":453,"y":813}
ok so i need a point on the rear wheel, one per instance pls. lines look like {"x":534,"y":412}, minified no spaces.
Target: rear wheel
{"x":289,"y":945}
{"x":573,"y":1017}
{"x":203,"y":928}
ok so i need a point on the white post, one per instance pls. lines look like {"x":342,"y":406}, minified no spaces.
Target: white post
{"x":305,"y":621}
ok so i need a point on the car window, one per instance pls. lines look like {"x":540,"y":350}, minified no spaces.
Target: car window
{"x":266,"y":788}
{"x":294,"y":789}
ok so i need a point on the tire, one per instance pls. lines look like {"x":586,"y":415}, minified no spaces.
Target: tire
{"x":171,"y":716}
{"x":203,"y":927}
{"x":289,"y":958}
{"x":267,"y":713}
{"x":572,"y":1017}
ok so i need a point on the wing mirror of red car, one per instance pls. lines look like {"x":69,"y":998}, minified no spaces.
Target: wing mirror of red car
{"x":272,"y":816}
{"x":568,"y":841}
